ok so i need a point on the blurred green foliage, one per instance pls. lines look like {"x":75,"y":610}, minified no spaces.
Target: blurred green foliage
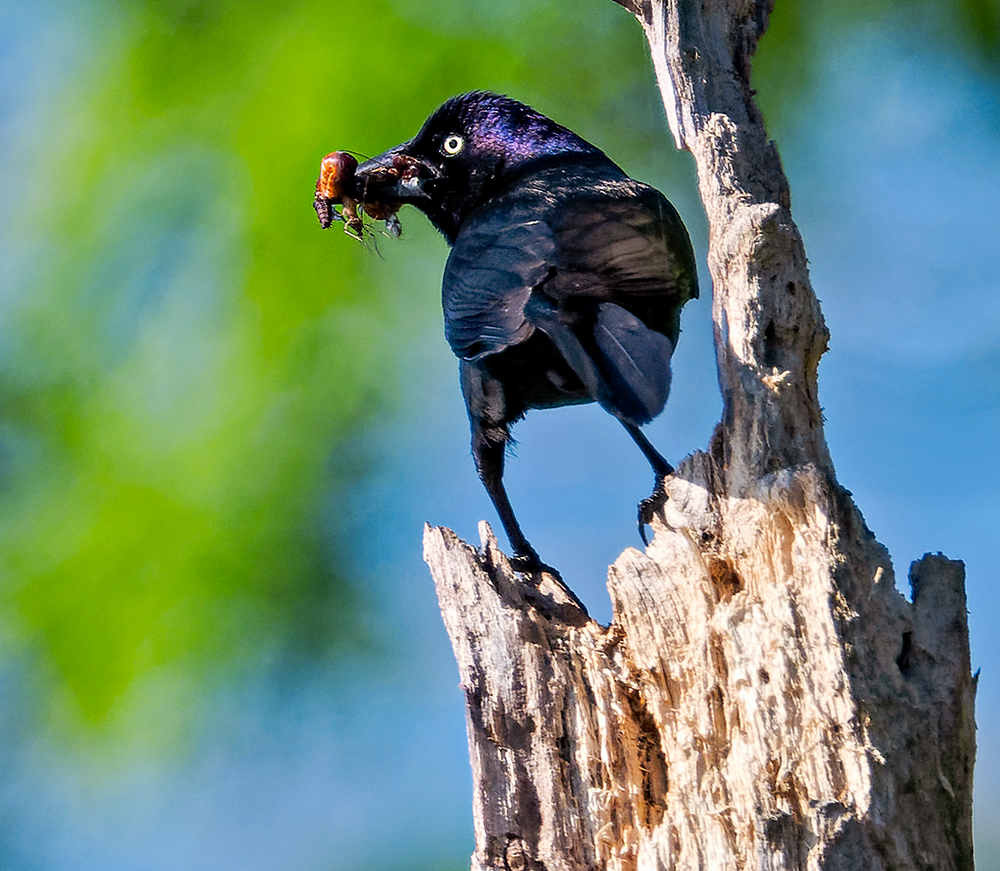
{"x":187,"y":350}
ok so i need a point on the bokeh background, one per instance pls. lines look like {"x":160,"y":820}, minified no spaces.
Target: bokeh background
{"x":221,"y":428}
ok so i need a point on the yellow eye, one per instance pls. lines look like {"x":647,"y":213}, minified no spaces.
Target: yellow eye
{"x":452,"y":144}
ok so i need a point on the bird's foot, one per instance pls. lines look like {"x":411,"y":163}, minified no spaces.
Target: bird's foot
{"x":528,"y":563}
{"x":534,"y":572}
{"x":650,"y":505}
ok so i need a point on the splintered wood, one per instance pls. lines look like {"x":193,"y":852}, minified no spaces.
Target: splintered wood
{"x":739,"y":712}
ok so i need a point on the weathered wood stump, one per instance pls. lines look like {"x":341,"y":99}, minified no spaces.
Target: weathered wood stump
{"x":766,"y":709}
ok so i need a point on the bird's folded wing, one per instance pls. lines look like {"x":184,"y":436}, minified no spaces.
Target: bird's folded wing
{"x":590,"y":241}
{"x":627,"y":247}
{"x":494,"y":265}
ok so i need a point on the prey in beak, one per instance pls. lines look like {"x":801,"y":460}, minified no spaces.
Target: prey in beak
{"x":376,"y":188}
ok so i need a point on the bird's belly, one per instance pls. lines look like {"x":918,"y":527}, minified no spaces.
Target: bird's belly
{"x":556,"y":388}
{"x":535,"y":375}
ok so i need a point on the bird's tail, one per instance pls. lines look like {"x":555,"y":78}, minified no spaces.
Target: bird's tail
{"x":634,"y":362}
{"x":623,"y":364}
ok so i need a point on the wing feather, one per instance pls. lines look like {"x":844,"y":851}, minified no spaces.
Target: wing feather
{"x":494,"y":265}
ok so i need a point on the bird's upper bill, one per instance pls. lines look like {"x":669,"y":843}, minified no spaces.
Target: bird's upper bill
{"x":394,"y":177}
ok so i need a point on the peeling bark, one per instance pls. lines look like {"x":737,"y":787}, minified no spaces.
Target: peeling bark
{"x":763,"y":697}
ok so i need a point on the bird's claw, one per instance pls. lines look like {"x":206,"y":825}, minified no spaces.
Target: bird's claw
{"x":528,"y":563}
{"x":532,"y":569}
{"x":649,"y":506}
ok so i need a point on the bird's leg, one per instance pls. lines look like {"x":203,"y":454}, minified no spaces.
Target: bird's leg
{"x":488,"y":452}
{"x":489,"y":456}
{"x":661,"y":468}
{"x":489,"y":416}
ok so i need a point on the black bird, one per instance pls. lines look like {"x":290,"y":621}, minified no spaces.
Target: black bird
{"x":565,"y":281}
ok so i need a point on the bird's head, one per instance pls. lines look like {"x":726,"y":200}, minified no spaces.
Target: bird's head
{"x":463,"y":155}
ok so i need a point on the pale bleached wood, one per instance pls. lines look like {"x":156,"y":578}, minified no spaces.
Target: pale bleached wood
{"x":764,"y":698}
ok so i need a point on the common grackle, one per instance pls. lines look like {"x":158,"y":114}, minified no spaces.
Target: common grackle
{"x":565,"y":281}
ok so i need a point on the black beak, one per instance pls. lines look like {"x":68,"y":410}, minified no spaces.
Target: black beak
{"x":395,"y":177}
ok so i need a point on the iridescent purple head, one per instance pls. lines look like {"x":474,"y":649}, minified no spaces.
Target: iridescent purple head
{"x":502,"y":126}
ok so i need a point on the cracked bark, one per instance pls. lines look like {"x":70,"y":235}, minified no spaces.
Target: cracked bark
{"x":763,"y":697}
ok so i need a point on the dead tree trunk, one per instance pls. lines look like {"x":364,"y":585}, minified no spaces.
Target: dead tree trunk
{"x":764,"y":697}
